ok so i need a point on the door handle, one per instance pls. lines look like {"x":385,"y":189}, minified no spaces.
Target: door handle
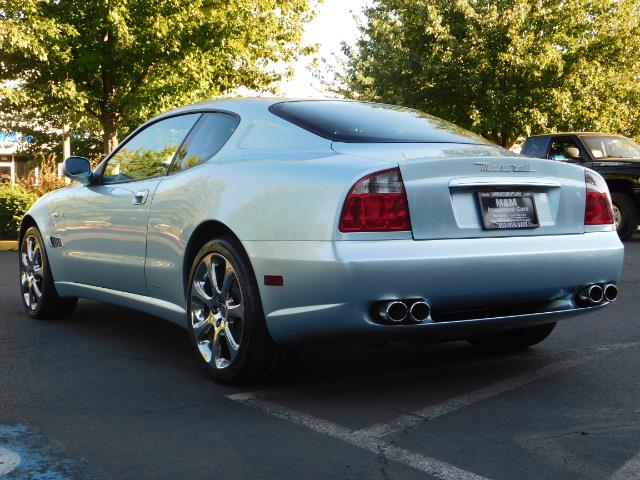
{"x":140,"y":197}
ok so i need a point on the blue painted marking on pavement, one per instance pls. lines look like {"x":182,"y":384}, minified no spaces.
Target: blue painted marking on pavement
{"x":38,"y":461}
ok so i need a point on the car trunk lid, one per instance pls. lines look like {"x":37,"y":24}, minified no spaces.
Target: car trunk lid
{"x":443,"y":181}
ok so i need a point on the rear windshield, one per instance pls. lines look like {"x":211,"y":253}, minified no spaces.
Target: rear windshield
{"x":360,"y":122}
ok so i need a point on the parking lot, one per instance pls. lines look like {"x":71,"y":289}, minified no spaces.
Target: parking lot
{"x":115,"y":394}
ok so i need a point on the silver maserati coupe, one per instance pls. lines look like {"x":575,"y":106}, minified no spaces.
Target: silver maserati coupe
{"x":261,"y":223}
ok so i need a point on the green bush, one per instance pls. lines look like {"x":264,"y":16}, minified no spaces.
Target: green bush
{"x":14,"y":202}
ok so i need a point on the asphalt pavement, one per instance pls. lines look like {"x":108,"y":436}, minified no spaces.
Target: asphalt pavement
{"x":111,"y":393}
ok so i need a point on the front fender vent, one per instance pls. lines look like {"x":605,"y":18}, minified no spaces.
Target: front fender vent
{"x":56,"y":242}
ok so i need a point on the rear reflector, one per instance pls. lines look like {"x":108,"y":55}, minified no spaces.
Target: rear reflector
{"x":376,"y":203}
{"x":274,"y":280}
{"x":598,"y":209}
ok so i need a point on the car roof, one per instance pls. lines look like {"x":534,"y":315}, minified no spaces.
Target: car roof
{"x":562,"y":134}
{"x":243,"y":106}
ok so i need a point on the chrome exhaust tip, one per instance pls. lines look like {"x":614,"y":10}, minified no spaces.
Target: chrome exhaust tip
{"x":610,"y":292}
{"x":394,"y":311}
{"x":419,"y":311}
{"x":592,"y":295}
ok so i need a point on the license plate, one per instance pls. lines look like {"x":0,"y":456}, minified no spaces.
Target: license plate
{"x":508,"y":210}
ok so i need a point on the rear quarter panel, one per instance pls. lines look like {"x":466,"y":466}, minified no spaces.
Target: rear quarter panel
{"x":272,"y":198}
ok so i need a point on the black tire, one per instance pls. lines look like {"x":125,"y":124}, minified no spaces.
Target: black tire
{"x":629,"y":216}
{"x":513,"y":340}
{"x":257,"y":357}
{"x":40,"y":279}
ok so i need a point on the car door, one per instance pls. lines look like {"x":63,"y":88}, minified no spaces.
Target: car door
{"x":182,"y":200}
{"x":106,"y":233}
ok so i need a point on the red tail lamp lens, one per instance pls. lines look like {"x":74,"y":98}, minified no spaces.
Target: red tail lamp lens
{"x":598,"y":209}
{"x":377,"y":203}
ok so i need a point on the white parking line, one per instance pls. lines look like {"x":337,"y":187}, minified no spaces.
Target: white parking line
{"x":372,"y":438}
{"x":434,"y":411}
{"x":428,"y":465}
{"x":629,"y":471}
{"x":8,"y":461}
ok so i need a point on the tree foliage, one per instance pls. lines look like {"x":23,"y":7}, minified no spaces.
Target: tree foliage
{"x":504,"y":68}
{"x":118,"y":62}
{"x":14,"y":203}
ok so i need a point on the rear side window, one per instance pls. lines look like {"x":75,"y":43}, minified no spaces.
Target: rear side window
{"x":535,"y":147}
{"x":361,"y":122}
{"x":207,"y":137}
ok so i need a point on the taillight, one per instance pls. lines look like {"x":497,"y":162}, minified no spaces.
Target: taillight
{"x":376,"y":203}
{"x":598,"y":209}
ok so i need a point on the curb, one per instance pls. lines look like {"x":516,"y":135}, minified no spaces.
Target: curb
{"x":8,"y":246}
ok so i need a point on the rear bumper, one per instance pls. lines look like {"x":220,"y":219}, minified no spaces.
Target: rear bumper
{"x":329,"y":287}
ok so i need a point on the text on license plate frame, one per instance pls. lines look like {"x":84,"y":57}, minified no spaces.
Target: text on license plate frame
{"x":512,"y":209}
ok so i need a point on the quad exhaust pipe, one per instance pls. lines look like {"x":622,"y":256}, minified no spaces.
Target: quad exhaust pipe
{"x":419,"y":311}
{"x":610,"y":292}
{"x":398,"y":311}
{"x":592,"y":295}
{"x":394,"y":311}
{"x":596,"y":294}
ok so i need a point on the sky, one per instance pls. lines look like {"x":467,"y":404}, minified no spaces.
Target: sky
{"x":333,"y":24}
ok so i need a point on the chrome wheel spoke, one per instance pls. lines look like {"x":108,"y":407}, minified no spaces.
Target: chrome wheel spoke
{"x":229,"y":280}
{"x":236,"y":311}
{"x":30,"y":242}
{"x":32,"y":299}
{"x":37,"y":257}
{"x":216,"y":349}
{"x":204,"y":339}
{"x":200,"y":294}
{"x":213,"y":263}
{"x":232,"y":345}
{"x":201,"y":321}
{"x":36,"y":290}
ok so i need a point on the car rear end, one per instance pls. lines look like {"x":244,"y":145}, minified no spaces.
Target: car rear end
{"x":450,"y":241}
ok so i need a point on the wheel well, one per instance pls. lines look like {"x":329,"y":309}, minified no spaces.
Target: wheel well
{"x":620,"y":186}
{"x":27,"y":222}
{"x":204,"y":233}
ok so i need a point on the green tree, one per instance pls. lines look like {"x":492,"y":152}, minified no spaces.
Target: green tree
{"x":504,"y":68}
{"x":121,"y":61}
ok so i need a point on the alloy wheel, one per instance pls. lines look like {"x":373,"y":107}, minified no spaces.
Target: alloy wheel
{"x":31,"y":272}
{"x":217,"y":310}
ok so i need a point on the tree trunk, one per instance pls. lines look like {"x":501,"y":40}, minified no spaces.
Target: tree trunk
{"x":108,"y":115}
{"x":110,"y":135}
{"x":66,"y":141}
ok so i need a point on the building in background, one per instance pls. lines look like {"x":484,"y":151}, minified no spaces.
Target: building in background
{"x":12,"y":164}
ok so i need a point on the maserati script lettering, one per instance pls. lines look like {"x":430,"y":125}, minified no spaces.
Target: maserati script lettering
{"x":510,"y":167}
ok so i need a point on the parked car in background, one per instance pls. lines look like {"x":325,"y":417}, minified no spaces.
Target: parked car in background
{"x":615,"y":157}
{"x":260,"y":223}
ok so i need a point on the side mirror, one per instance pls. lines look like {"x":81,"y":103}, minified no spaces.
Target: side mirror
{"x":78,"y":169}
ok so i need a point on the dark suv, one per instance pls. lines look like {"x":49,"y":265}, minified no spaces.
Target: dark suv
{"x":615,"y":157}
